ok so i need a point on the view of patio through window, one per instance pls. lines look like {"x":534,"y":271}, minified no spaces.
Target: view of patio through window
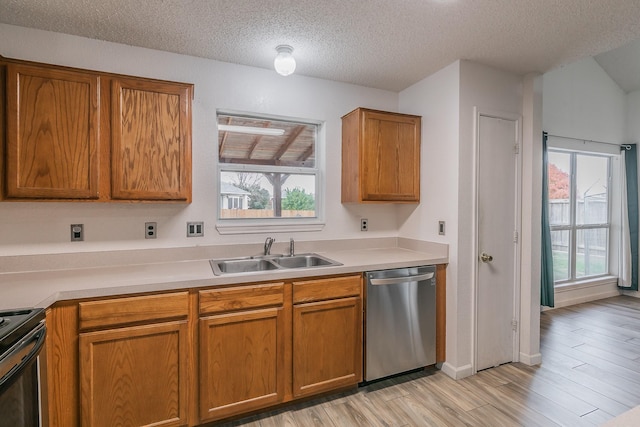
{"x":267,"y":168}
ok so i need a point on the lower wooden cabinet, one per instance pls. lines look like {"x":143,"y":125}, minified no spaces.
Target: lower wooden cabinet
{"x":241,"y":362}
{"x":327,"y":334}
{"x":135,"y":376}
{"x":327,"y":346}
{"x":133,"y":357}
{"x":241,"y":349}
{"x":191,"y":357}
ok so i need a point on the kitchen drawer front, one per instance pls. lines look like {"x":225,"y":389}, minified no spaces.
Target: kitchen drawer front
{"x":241,"y":297}
{"x":329,"y":288}
{"x":123,"y":311}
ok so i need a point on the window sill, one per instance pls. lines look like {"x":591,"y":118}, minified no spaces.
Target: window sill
{"x":587,"y":283}
{"x":234,"y":227}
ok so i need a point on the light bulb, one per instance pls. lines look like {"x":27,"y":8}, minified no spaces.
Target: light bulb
{"x":284,"y":63}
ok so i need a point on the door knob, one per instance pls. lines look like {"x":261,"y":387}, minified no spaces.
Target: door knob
{"x":486,"y":257}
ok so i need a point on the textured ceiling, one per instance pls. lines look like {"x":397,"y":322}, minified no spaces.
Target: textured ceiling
{"x":378,"y":43}
{"x":623,"y":65}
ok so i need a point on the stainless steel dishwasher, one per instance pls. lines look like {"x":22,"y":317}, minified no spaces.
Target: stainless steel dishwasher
{"x":400,"y":321}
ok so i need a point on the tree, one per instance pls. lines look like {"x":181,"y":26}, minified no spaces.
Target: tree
{"x":247,"y":180}
{"x":258,"y":196}
{"x":558,"y":183}
{"x":298,"y":199}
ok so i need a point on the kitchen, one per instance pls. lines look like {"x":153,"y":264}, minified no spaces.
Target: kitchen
{"x":35,"y":235}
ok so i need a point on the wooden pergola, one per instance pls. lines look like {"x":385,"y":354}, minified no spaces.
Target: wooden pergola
{"x":295,"y":148}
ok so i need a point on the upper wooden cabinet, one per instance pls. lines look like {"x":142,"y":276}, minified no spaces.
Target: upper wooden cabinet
{"x":380,"y":157}
{"x":151,"y":140}
{"x":82,"y":135}
{"x":53,"y":133}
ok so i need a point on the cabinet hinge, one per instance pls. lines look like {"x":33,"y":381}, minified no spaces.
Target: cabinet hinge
{"x":516,"y":148}
{"x":514,"y":325}
{"x":515,"y":237}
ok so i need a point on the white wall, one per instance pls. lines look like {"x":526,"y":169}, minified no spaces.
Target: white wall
{"x":581,"y":101}
{"x":446,"y":100}
{"x":437,"y":100}
{"x":35,"y":228}
{"x":488,"y":90}
{"x":531,"y":213}
{"x":633,"y":117}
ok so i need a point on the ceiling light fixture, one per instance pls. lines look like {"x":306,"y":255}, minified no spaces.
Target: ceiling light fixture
{"x":284,"y":63}
{"x":251,"y":130}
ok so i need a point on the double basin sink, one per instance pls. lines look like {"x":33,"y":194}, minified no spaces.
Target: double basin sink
{"x":269,"y":263}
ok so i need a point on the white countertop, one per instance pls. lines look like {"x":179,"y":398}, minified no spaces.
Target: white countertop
{"x":45,"y":287}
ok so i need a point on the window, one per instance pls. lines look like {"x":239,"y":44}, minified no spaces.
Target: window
{"x":579,"y":212}
{"x":267,"y":169}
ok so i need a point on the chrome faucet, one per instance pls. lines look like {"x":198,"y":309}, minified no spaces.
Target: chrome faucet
{"x":292,"y":247}
{"x":267,"y":245}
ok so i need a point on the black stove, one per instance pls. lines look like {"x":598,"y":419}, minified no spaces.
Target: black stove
{"x":22,"y":336}
{"x":15,"y":324}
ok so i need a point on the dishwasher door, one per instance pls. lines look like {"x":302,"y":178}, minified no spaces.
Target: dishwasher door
{"x":400,"y":321}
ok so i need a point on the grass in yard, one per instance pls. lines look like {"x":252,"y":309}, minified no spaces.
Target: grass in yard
{"x":597,"y":265}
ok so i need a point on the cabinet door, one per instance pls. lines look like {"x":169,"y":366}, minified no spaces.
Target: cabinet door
{"x":151,"y":140}
{"x":241,"y":362}
{"x":327,"y":345}
{"x":390,"y":168}
{"x":53,"y":129}
{"x":134,"y":376}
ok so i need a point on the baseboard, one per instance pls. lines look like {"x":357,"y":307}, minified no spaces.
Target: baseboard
{"x":457,"y":373}
{"x":531,"y":359}
{"x":634,"y":294}
{"x":577,"y":294}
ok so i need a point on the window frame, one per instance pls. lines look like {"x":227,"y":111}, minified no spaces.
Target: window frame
{"x":573,"y":228}
{"x":275,"y":224}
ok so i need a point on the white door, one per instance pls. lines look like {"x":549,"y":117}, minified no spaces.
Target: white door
{"x":497,"y":248}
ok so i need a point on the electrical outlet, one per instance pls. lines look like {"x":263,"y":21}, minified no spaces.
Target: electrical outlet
{"x":150,"y":230}
{"x":77,"y":232}
{"x":364,"y":224}
{"x":441,"y":227}
{"x":195,"y":229}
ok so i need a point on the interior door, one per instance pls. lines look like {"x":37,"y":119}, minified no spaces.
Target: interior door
{"x":497,"y":178}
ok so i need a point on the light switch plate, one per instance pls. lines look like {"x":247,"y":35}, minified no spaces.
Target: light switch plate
{"x":77,"y":232}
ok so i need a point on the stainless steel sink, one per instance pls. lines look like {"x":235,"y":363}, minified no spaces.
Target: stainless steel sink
{"x":303,"y":261}
{"x":241,"y":265}
{"x":269,"y":263}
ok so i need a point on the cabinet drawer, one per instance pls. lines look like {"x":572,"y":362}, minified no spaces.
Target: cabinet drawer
{"x":241,"y":297}
{"x":121,"y":311}
{"x":322,"y":289}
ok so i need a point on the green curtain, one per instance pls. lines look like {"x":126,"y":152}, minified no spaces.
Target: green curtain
{"x":631,"y":169}
{"x":546,"y":274}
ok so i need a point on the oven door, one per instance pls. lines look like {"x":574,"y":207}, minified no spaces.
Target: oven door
{"x":19,"y":381}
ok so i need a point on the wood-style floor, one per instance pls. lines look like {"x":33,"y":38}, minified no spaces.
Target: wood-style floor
{"x":590,"y":373}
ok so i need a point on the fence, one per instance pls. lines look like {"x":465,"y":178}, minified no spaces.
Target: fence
{"x":591,"y":244}
{"x":263,"y":213}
